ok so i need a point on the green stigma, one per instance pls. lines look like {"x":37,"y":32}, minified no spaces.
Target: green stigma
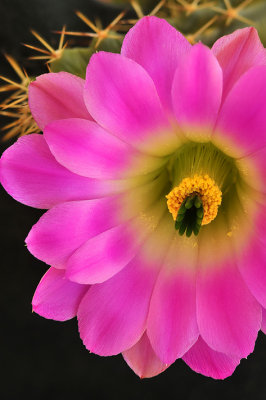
{"x":190,"y":215}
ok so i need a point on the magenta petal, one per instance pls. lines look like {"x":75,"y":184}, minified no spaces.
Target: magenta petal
{"x":142,"y":359}
{"x":64,"y":228}
{"x":197,"y":90}
{"x":104,"y":255}
{"x":257,"y":161}
{"x":112,"y":315}
{"x":158,"y":47}
{"x":263,"y":322}
{"x":259,"y":227}
{"x":56,"y":297}
{"x":85,"y":148}
{"x":242,"y":119}
{"x":252,"y":266}
{"x":229,"y":317}
{"x":57,"y":96}
{"x":202,"y":359}
{"x":237,"y":53}
{"x":30,"y":174}
{"x":114,"y":99}
{"x":172,"y":324}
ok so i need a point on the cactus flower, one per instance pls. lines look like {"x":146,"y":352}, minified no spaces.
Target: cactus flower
{"x":153,"y":173}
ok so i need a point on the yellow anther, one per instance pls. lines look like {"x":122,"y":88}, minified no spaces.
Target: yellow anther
{"x":202,"y":186}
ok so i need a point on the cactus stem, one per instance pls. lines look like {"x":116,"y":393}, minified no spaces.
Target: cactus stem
{"x":190,"y":8}
{"x":232,"y":13}
{"x":50,"y":54}
{"x":192,"y":37}
{"x":138,"y":10}
{"x":158,"y":7}
{"x":98,"y":32}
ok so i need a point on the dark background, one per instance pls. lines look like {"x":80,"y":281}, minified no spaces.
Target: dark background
{"x":44,"y":359}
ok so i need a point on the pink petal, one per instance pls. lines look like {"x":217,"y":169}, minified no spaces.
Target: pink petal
{"x":202,"y":359}
{"x":114,"y":99}
{"x":172,"y":326}
{"x":197,"y":91}
{"x":30,"y":174}
{"x":228,"y":315}
{"x":242,"y":119}
{"x":64,"y":228}
{"x":237,"y":53}
{"x":57,"y":96}
{"x":252,"y":266}
{"x":260,"y":222}
{"x":56,"y":297}
{"x":142,"y":359}
{"x":255,"y":164}
{"x":263,"y":323}
{"x":158,"y":47}
{"x":112,"y":315}
{"x":85,"y":148}
{"x":104,"y":255}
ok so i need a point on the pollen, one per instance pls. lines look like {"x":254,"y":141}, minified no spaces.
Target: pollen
{"x":201,"y":186}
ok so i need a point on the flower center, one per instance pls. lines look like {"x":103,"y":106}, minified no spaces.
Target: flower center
{"x":193,"y":203}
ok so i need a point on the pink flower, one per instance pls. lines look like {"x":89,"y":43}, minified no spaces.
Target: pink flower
{"x":164,"y":118}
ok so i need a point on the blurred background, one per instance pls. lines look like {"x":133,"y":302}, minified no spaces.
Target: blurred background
{"x":44,"y":359}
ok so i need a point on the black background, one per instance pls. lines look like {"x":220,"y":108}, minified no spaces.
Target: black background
{"x":44,"y":359}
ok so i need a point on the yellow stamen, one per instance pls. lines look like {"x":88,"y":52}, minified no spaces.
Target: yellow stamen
{"x":202,"y":186}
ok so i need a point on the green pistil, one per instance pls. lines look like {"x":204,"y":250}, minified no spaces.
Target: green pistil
{"x":189,"y":217}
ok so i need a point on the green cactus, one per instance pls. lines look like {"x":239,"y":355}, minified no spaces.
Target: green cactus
{"x":143,"y":3}
{"x":75,"y":60}
{"x":226,"y":16}
{"x":203,"y":20}
{"x":198,"y":20}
